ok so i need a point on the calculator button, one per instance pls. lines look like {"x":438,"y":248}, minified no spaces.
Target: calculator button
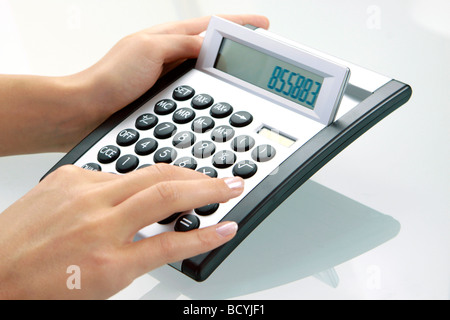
{"x":183,"y":115}
{"x":223,"y":159}
{"x":146,"y":121}
{"x":145,"y":146}
{"x":170,"y":219}
{"x":207,"y":210}
{"x":144,"y":166}
{"x":92,"y":167}
{"x":165,"y":106}
{"x":183,"y":139}
{"x":183,"y":93}
{"x":202,"y":124}
{"x":203,"y":149}
{"x":245,"y":169}
{"x":202,"y":101}
{"x":210,"y":172}
{"x":263,"y":153}
{"x":186,"y":162}
{"x":127,"y":163}
{"x":221,"y":110}
{"x":165,"y":154}
{"x":164,"y":130}
{"x":187,"y":222}
{"x":241,"y":119}
{"x":127,"y":137}
{"x":108,"y":154}
{"x":242,"y":143}
{"x":222,"y":133}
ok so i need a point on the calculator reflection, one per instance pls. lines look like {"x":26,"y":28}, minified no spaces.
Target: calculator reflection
{"x":313,"y":231}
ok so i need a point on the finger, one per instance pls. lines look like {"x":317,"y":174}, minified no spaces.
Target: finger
{"x":168,"y":197}
{"x":198,"y":25}
{"x":153,"y":252}
{"x":128,"y":185}
{"x":174,"y":47}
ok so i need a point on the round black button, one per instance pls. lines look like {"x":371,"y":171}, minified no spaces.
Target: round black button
{"x":263,"y":153}
{"x":210,"y":172}
{"x":245,"y":169}
{"x":187,"y":222}
{"x":127,"y":163}
{"x":183,"y":139}
{"x":202,"y":124}
{"x":222,"y":133}
{"x":170,"y":219}
{"x":183,"y":93}
{"x":186,"y":162}
{"x":146,"y":121}
{"x":108,"y":154}
{"x":221,"y":110}
{"x":92,"y":167}
{"x":202,"y":101}
{"x":164,"y":130}
{"x":224,"y":159}
{"x":183,"y":115}
{"x":207,"y":210}
{"x":242,"y":143}
{"x":165,"y":106}
{"x":127,"y":137}
{"x":145,"y":146}
{"x":165,"y":154}
{"x":203,"y":149}
{"x":241,"y":119}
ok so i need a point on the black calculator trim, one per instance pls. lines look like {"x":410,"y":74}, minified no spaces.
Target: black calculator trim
{"x":298,"y":168}
{"x":292,"y":173}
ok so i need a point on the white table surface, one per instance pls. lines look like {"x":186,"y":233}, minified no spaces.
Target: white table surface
{"x":391,"y":185}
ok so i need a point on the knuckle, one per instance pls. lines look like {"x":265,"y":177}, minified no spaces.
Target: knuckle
{"x":163,"y":169}
{"x":141,"y":38}
{"x":167,"y":191}
{"x":64,"y":171}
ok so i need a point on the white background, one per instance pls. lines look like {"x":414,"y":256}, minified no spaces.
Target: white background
{"x":400,"y":168}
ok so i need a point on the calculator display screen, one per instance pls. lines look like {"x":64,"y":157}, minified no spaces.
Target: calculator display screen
{"x":269,"y":73}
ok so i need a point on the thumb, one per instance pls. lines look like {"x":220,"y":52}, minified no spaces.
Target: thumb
{"x":168,"y":247}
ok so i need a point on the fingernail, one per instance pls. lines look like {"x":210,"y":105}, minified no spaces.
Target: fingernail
{"x":234,"y":183}
{"x":227,"y":229}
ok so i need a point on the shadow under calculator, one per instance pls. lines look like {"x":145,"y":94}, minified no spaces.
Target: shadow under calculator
{"x":314,"y":230}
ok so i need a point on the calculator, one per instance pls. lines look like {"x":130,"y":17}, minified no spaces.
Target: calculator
{"x":252,"y":105}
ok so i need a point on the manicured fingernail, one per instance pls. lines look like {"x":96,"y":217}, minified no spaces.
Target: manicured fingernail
{"x":227,"y":229}
{"x":235,"y":183}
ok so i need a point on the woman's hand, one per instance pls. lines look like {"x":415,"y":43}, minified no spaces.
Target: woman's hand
{"x":88,"y":219}
{"x":42,"y":114}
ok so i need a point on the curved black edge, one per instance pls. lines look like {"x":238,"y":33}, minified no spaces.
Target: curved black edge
{"x":306,"y":161}
{"x":80,"y":149}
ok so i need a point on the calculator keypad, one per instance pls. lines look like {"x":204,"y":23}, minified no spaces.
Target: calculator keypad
{"x":187,"y":130}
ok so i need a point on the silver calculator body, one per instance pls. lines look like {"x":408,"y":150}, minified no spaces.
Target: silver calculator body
{"x":205,"y":116}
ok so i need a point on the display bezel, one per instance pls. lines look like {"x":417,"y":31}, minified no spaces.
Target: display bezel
{"x":335,"y":76}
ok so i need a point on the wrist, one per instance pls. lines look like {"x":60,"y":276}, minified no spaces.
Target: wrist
{"x":73,"y":115}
